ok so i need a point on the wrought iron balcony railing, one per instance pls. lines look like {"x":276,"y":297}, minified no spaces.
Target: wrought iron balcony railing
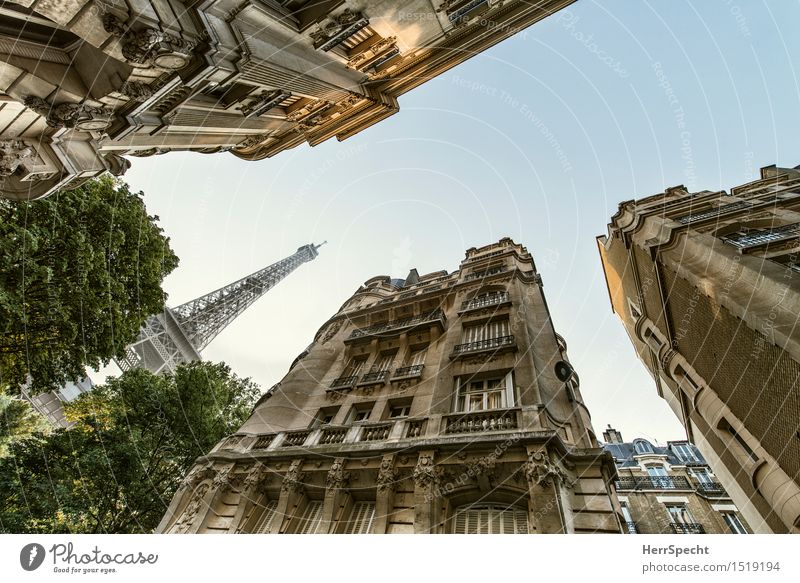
{"x":343,"y":382}
{"x":481,"y":345}
{"x":405,"y":372}
{"x":481,"y":421}
{"x":712,"y":488}
{"x":484,"y":274}
{"x":488,"y":300}
{"x":653,"y":483}
{"x":374,"y":377}
{"x":397,"y":325}
{"x":687,"y":528}
{"x":631,"y":528}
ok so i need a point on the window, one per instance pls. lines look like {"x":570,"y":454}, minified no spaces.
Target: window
{"x":726,"y":426}
{"x":734,"y":523}
{"x":484,"y":394}
{"x":486,"y":331}
{"x":417,"y":356}
{"x":324,"y":416}
{"x":626,"y":515}
{"x":702,"y":475}
{"x":399,"y":411}
{"x":679,"y":514}
{"x":712,"y":212}
{"x":267,"y":516}
{"x":311,"y":519}
{"x":659,"y":477}
{"x":361,"y":518}
{"x":360,"y":413}
{"x":384,"y":362}
{"x":490,"y":519}
{"x":642,"y":447}
{"x":354,"y":367}
{"x":685,"y":452}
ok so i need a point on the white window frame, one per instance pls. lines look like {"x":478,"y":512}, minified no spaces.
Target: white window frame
{"x":485,"y":331}
{"x":463,"y":403}
{"x":682,"y":516}
{"x":490,"y":519}
{"x":361,"y":518}
{"x":311,"y":519}
{"x":684,"y":452}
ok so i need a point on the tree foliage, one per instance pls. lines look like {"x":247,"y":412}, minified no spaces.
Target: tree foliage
{"x":80,"y":271}
{"x":133,"y":439}
{"x":19,"y":421}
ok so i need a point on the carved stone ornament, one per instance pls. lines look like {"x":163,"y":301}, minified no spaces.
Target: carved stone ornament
{"x":293,"y":479}
{"x":13,"y":154}
{"x":335,"y":25}
{"x":484,"y":358}
{"x":252,"y":141}
{"x":197,"y":475}
{"x":222,"y":479}
{"x":426,"y":474}
{"x":331,"y":331}
{"x":117,"y":165}
{"x":79,"y":116}
{"x":147,"y":152}
{"x":387,"y":475}
{"x":482,"y":465}
{"x":254,"y":478}
{"x":149,"y":46}
{"x":337,"y":478}
{"x":192,"y":508}
{"x":540,"y":470}
{"x":380,"y":46}
{"x":136,"y":90}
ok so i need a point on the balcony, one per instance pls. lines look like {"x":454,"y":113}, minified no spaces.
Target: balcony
{"x":295,"y":438}
{"x":408,"y":372}
{"x":379,"y":432}
{"x":485,"y":274}
{"x":394,"y":327}
{"x":263,"y":442}
{"x":711,"y":489}
{"x":377,"y":377}
{"x":475,"y":259}
{"x":486,"y":301}
{"x":500,"y":344}
{"x":653,"y":483}
{"x":331,"y":435}
{"x":687,"y":528}
{"x":415,"y":428}
{"x":344,"y":382}
{"x":631,"y":528}
{"x":481,"y":421}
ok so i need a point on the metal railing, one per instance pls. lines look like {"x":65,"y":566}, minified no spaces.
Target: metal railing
{"x":487,"y":300}
{"x":631,"y":528}
{"x":710,"y":488}
{"x":378,"y":376}
{"x":481,"y":421}
{"x":487,"y":344}
{"x":653,"y":483}
{"x":396,"y":324}
{"x":414,"y":370}
{"x":487,"y":273}
{"x":348,"y":381}
{"x":687,"y":528}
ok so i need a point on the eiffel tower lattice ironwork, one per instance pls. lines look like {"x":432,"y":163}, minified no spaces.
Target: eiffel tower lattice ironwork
{"x":177,"y":335}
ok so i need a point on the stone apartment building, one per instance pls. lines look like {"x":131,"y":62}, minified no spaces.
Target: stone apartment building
{"x":707,"y":287}
{"x":670,"y":490}
{"x":442,"y":403}
{"x":85,"y":82}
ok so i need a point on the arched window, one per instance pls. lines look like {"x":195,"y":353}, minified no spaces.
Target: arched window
{"x":490,"y":519}
{"x":642,"y":447}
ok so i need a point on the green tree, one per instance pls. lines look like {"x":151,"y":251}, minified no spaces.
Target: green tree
{"x":133,"y":439}
{"x":19,"y":421}
{"x":80,"y":271}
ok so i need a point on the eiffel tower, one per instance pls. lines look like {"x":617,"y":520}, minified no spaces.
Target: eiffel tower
{"x":178,"y":335}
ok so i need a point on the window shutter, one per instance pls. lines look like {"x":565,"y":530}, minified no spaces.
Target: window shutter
{"x":266,"y":517}
{"x":490,"y":519}
{"x":361,"y":518}
{"x":311,"y":519}
{"x":460,"y":523}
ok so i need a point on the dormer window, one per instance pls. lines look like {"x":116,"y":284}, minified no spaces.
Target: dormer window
{"x":642,"y":447}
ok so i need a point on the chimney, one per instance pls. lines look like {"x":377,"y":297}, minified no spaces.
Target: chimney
{"x":611,"y":435}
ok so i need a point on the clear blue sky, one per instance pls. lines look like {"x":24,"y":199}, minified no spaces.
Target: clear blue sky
{"x":538,"y":139}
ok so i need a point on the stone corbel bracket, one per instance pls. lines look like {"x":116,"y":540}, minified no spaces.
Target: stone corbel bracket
{"x":149,"y":46}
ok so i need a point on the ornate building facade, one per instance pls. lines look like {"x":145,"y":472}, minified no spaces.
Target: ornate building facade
{"x":708,"y":289}
{"x":442,"y":403}
{"x":85,"y":82}
{"x":670,"y":490}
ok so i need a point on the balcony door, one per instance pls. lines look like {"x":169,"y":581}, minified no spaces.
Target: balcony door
{"x":486,"y":394}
